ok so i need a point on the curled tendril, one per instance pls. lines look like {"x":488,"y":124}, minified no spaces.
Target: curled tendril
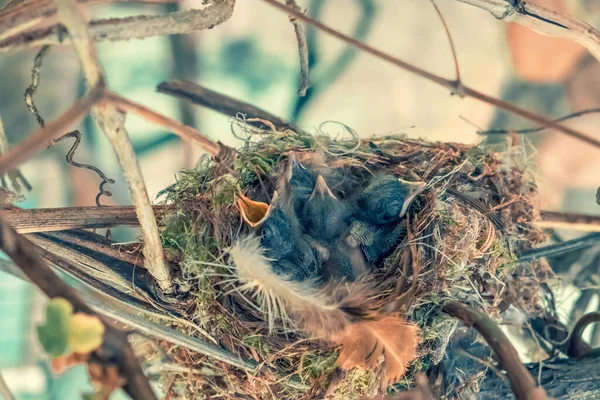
{"x":77,"y":135}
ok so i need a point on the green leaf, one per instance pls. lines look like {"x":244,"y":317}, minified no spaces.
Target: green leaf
{"x":54,"y":333}
{"x":86,"y":333}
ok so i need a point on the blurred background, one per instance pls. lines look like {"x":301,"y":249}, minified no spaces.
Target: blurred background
{"x":253,"y":57}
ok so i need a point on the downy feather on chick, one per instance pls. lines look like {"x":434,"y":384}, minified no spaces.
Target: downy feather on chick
{"x":342,"y":314}
{"x":375,"y":228}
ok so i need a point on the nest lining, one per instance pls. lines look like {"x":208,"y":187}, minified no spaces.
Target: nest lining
{"x":464,"y":230}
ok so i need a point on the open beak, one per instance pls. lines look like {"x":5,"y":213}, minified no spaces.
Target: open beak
{"x":253,"y":212}
{"x":321,"y":189}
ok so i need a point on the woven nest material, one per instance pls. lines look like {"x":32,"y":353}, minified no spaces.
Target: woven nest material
{"x":464,"y":231}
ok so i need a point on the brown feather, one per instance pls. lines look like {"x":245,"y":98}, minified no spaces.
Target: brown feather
{"x":342,"y":313}
{"x":363,"y":344}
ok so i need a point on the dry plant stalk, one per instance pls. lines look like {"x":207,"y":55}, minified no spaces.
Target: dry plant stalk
{"x":21,"y":18}
{"x":456,"y":87}
{"x":115,"y":346}
{"x":542,"y":20}
{"x":113,"y":124}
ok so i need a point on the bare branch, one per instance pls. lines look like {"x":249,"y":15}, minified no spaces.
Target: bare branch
{"x":115,"y":345}
{"x":303,"y":83}
{"x":452,"y":85}
{"x":542,"y":20}
{"x":439,"y":13}
{"x":560,"y":220}
{"x":15,"y":176}
{"x":139,"y":27}
{"x":113,"y":124}
{"x":52,"y":130}
{"x":576,"y":346}
{"x":181,"y":130}
{"x":5,"y":392}
{"x":62,"y":219}
{"x":223,"y":104}
{"x":551,"y":250}
{"x":522,"y":383}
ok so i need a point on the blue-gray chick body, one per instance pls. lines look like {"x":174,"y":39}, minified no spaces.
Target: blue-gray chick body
{"x":284,"y":243}
{"x":376,"y":227}
{"x":298,"y":184}
{"x":327,"y":220}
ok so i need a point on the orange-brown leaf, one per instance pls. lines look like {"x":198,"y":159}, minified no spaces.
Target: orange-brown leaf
{"x":363,"y":343}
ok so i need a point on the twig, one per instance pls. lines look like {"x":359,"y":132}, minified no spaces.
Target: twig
{"x":542,"y":20}
{"x":5,"y":392}
{"x":576,"y":347}
{"x":522,"y":383}
{"x":52,"y":130}
{"x":560,"y":220}
{"x":113,"y":124}
{"x":15,"y":175}
{"x":181,"y":130}
{"x":129,"y":315}
{"x":332,"y":72}
{"x":62,"y":219}
{"x":467,"y":91}
{"x":456,"y":68}
{"x":223,"y":104}
{"x":559,"y":248}
{"x":115,"y":347}
{"x":35,"y":80}
{"x":541,"y":128}
{"x":138,"y":27}
{"x":77,"y":135}
{"x":303,"y":83}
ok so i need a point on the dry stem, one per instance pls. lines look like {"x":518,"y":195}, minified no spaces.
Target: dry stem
{"x":522,"y":383}
{"x":61,"y":219}
{"x":303,"y":83}
{"x":542,"y":20}
{"x":181,"y":130}
{"x":113,"y":124}
{"x":223,"y":104}
{"x":5,"y":392}
{"x":115,"y":344}
{"x":560,"y":220}
{"x":455,"y":87}
{"x":138,"y":27}
{"x":43,"y":136}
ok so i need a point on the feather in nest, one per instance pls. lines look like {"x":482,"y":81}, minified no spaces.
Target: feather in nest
{"x":342,"y":314}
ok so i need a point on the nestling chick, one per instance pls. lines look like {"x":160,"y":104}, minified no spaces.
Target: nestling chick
{"x":282,"y":240}
{"x":326,"y":219}
{"x":381,"y":206}
{"x":297,"y":184}
{"x":387,"y":199}
{"x":325,"y":216}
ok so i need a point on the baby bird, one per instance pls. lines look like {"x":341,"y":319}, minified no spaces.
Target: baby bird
{"x":297,"y":184}
{"x":326,"y":216}
{"x":326,"y":219}
{"x":282,"y":240}
{"x":381,"y":206}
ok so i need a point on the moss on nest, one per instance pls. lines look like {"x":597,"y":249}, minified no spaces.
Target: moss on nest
{"x":478,"y":211}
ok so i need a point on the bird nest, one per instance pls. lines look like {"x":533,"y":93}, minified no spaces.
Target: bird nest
{"x":461,"y":237}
